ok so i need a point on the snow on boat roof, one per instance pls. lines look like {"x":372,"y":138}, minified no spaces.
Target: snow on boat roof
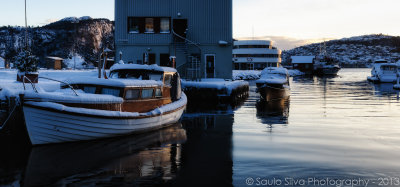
{"x":70,"y":97}
{"x":153,"y":67}
{"x":114,"y":82}
{"x":302,"y":59}
{"x":274,"y":70}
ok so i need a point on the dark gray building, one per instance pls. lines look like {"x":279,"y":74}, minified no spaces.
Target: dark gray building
{"x":197,"y":32}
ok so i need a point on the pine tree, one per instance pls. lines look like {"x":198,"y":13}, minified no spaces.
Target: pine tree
{"x":25,"y":61}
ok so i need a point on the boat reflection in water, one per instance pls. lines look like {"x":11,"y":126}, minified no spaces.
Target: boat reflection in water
{"x":197,"y":151}
{"x":139,"y":159}
{"x":385,"y":89}
{"x":273,"y":112}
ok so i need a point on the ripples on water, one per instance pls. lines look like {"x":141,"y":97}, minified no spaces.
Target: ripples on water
{"x":340,"y":127}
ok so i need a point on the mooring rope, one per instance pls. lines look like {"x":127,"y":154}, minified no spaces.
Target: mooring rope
{"x":9,"y":116}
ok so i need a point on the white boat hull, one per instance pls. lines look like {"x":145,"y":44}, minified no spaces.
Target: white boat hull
{"x":46,"y":126}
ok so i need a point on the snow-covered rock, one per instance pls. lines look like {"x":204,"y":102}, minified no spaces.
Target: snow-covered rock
{"x":358,"y":51}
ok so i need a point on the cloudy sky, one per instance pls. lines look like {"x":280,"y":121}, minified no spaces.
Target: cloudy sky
{"x":289,"y":23}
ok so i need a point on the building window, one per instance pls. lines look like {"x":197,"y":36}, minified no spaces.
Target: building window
{"x":237,"y":66}
{"x":149,"y":25}
{"x":257,"y":55}
{"x":164,"y":25}
{"x":133,"y":25}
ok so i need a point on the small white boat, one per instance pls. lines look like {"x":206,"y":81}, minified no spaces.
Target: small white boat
{"x":273,"y":83}
{"x":137,"y":98}
{"x":383,"y":72}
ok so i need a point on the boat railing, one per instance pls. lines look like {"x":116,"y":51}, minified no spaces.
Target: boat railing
{"x":33,"y":85}
{"x":72,"y":88}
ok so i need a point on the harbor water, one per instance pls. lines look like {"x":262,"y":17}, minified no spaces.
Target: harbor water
{"x":332,"y":131}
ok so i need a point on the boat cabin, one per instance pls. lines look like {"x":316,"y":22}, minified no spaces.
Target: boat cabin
{"x":142,"y":87}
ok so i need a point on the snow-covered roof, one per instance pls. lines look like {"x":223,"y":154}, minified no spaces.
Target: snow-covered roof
{"x":114,"y":82}
{"x":153,"y":67}
{"x":302,"y":59}
{"x":54,"y":58}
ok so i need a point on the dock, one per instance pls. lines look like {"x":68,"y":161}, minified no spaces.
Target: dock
{"x":215,"y":91}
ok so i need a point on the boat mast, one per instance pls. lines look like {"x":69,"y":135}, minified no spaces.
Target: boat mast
{"x":26,"y":28}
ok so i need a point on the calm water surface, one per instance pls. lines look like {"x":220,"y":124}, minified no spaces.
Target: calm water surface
{"x":338,"y":128}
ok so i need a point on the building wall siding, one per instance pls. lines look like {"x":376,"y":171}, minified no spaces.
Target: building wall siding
{"x":209,"y":21}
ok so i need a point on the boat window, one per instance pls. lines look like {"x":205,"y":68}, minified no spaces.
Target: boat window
{"x":89,"y":89}
{"x":389,"y":68}
{"x":132,"y":94}
{"x":167,"y":79}
{"x":147,"y":93}
{"x":158,"y":92}
{"x":110,"y":91}
{"x":156,"y":77}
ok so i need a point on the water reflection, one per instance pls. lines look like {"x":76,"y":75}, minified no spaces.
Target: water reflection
{"x":207,"y":153}
{"x":338,"y":127}
{"x":139,"y":159}
{"x":385,"y":89}
{"x":273,"y":112}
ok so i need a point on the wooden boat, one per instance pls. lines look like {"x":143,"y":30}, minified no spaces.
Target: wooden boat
{"x":273,"y":84}
{"x":135,"y":99}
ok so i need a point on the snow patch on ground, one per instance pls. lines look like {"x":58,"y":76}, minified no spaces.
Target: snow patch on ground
{"x":76,"y":61}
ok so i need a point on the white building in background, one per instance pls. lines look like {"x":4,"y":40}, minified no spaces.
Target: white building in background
{"x":255,"y":55}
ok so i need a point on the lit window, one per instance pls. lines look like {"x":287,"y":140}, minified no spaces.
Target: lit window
{"x":149,"y":25}
{"x":132,"y":94}
{"x":164,"y":25}
{"x":147,"y":93}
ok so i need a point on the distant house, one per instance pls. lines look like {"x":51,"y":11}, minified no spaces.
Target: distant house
{"x":303,"y":63}
{"x":54,"y":62}
{"x":2,"y":63}
{"x":193,"y":35}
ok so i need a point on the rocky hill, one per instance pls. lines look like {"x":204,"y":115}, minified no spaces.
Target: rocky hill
{"x":359,"y":51}
{"x":83,"y":36}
